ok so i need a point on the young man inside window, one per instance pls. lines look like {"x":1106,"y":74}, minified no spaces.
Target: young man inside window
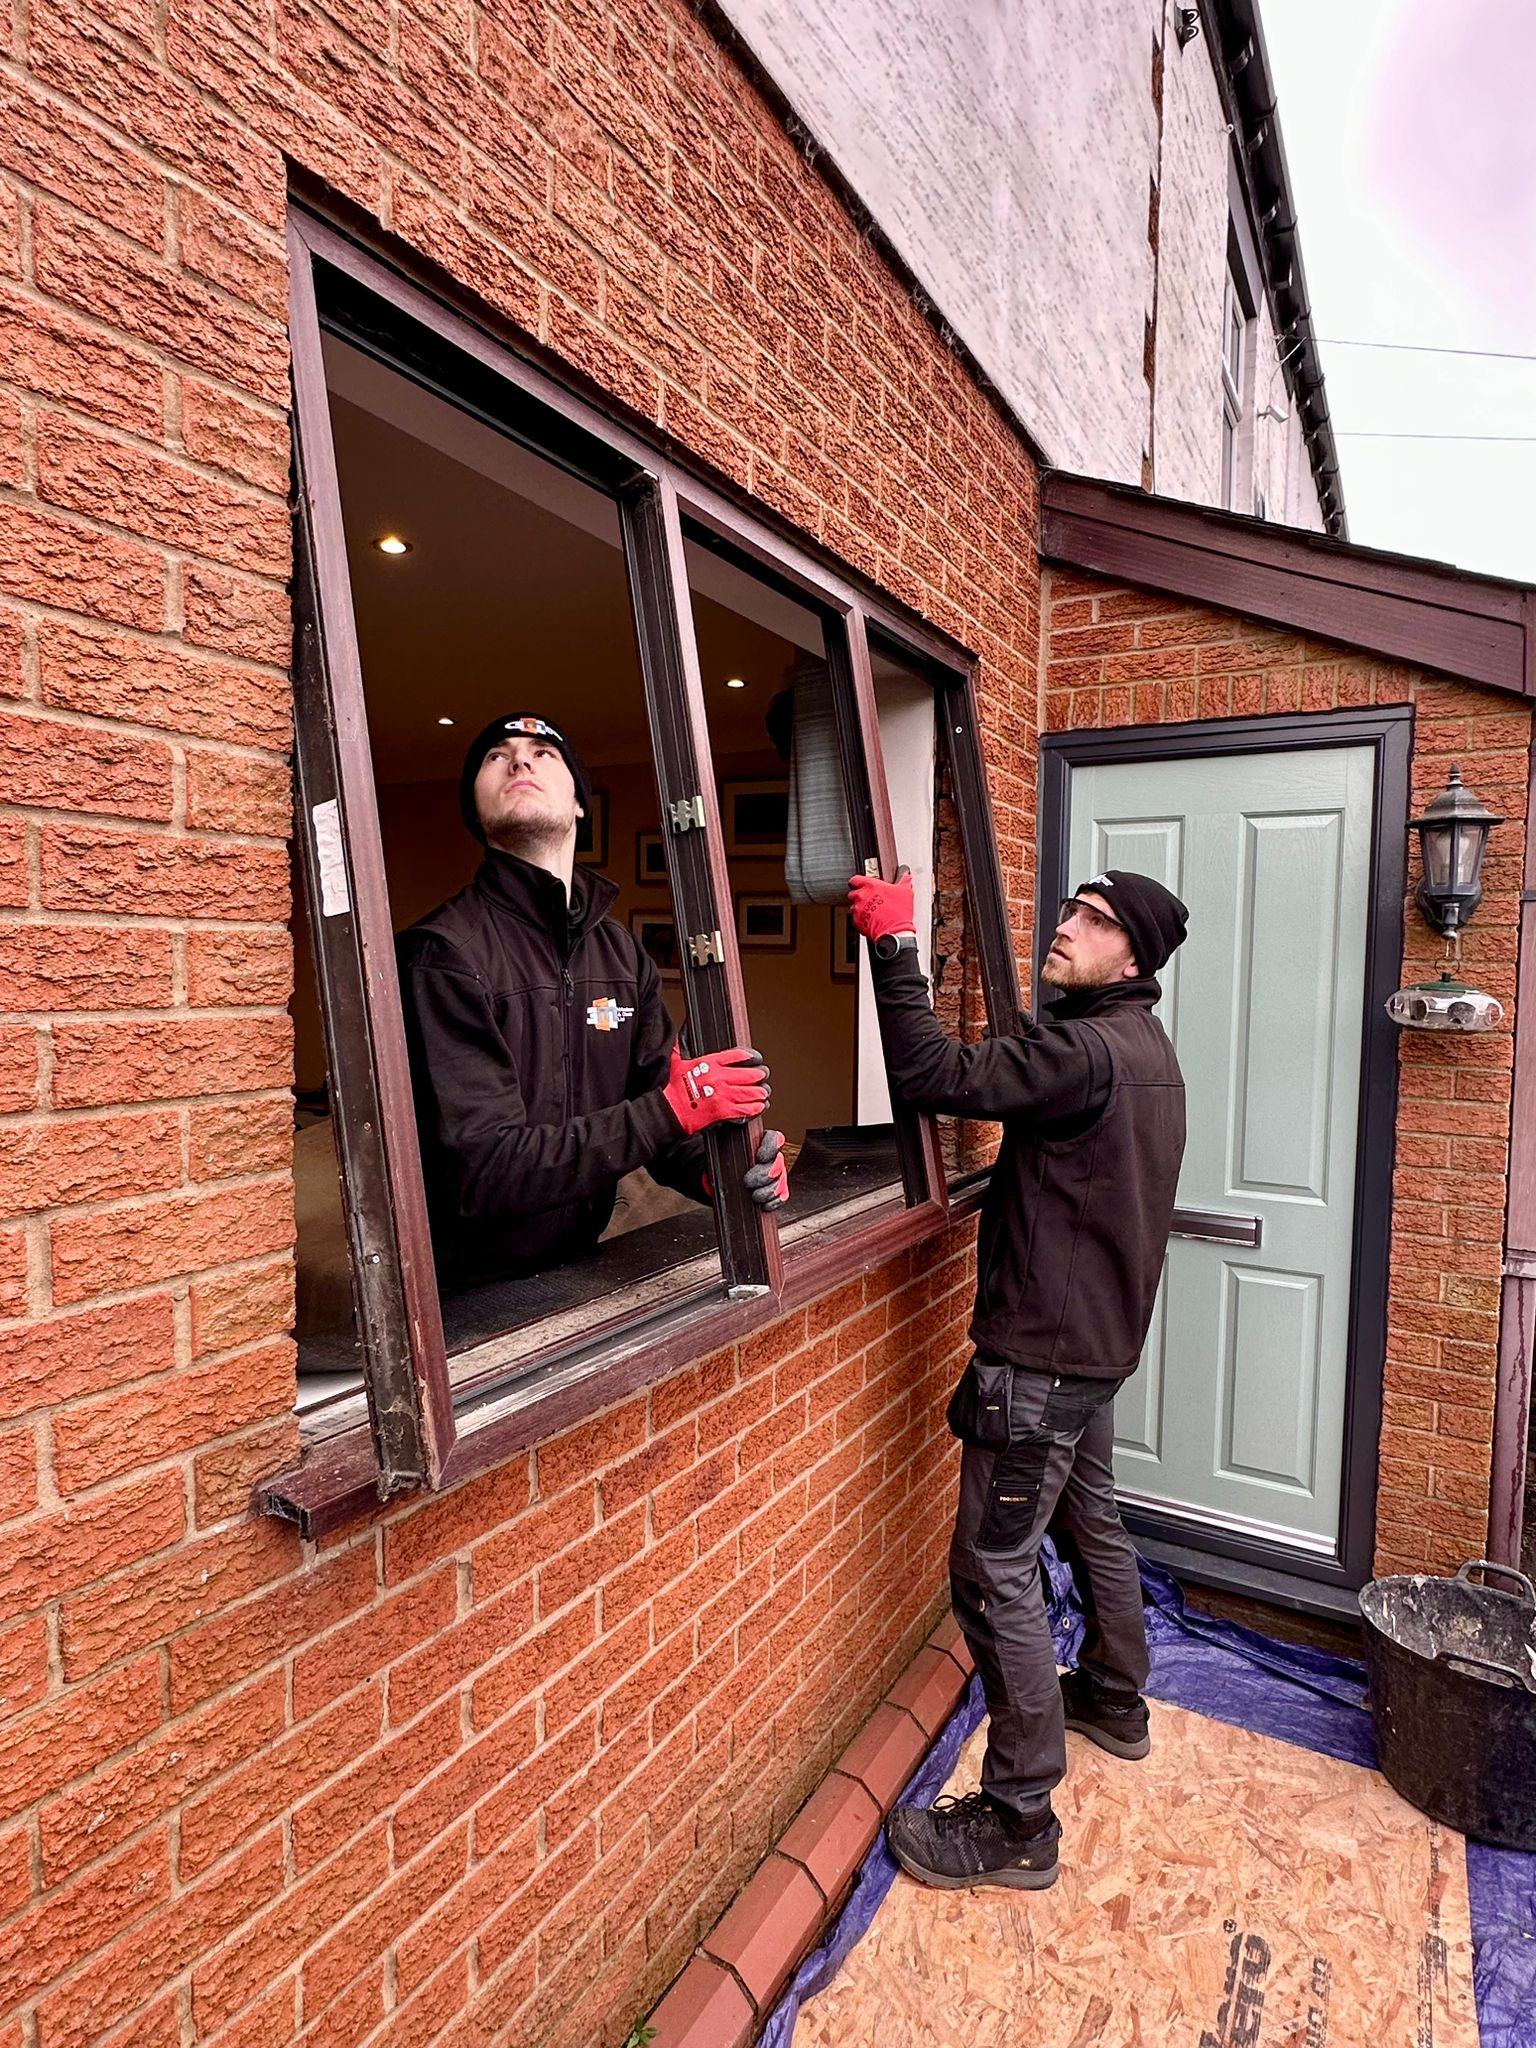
{"x":544,"y":1063}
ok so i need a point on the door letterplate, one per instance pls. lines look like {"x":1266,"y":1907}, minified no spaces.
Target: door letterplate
{"x":708,"y":949}
{"x":1216,"y":1226}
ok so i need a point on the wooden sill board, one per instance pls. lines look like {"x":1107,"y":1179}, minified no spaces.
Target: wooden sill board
{"x":1230,"y":1891}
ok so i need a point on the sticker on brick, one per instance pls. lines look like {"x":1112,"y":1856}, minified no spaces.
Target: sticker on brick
{"x":330,"y":859}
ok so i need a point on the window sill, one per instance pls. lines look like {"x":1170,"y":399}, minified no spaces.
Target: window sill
{"x":337,"y":1480}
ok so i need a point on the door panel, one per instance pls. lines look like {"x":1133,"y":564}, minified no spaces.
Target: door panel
{"x":1236,"y":1416}
{"x":1139,"y":1405}
{"x":1269,"y":1378}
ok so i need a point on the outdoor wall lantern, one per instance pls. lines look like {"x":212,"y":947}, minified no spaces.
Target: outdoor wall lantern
{"x":1453,"y":835}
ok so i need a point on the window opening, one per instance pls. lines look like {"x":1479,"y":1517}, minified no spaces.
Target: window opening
{"x":445,"y":490}
{"x":485,"y":581}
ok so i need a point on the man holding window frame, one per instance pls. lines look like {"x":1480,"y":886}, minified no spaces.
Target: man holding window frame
{"x":544,"y":1063}
{"x":1074,"y":1229}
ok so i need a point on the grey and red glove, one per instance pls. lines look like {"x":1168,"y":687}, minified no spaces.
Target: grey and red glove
{"x":881,"y":909}
{"x":729,"y":1087}
{"x":767,"y":1179}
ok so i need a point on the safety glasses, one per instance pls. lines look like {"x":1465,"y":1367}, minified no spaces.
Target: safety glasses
{"x":1090,"y":919}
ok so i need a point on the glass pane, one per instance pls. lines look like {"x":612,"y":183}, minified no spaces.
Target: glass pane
{"x":789,"y":849}
{"x":1437,"y":856}
{"x":1469,"y":851}
{"x":1233,"y":344}
{"x":927,"y":833}
{"x":487,"y":582}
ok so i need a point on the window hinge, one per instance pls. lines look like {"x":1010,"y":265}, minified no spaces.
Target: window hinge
{"x":687,"y":812}
{"x":872,"y":867}
{"x":708,"y":949}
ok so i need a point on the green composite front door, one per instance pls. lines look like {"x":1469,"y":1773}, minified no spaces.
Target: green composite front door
{"x":1236,"y":1419}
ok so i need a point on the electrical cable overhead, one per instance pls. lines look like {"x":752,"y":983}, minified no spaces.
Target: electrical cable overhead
{"x":1424,"y":348}
{"x":1384,"y":434}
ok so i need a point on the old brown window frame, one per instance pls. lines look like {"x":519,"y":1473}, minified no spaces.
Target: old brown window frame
{"x":422,"y":1431}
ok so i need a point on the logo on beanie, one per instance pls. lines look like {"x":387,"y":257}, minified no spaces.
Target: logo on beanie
{"x":607,"y":1015}
{"x":534,"y":727}
{"x":1098,"y":882}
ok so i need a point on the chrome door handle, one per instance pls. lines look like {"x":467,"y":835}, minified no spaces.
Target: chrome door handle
{"x":1217,"y":1226}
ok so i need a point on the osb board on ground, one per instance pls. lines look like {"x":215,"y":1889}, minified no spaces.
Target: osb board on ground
{"x":1230,"y":1891}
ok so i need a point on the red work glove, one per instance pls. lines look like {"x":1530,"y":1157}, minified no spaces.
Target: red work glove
{"x":727,"y":1087}
{"x":881,"y":908}
{"x":767,"y":1179}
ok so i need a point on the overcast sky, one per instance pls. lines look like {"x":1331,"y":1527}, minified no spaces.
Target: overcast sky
{"x":1410,"y":128}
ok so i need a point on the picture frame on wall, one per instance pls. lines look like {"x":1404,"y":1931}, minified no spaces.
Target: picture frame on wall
{"x":845,"y":945}
{"x":755,"y":816}
{"x":651,"y":859}
{"x":592,"y":832}
{"x":656,"y":931}
{"x":765,"y":923}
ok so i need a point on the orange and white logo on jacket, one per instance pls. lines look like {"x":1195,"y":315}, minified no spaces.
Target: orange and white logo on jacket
{"x":607,"y":1015}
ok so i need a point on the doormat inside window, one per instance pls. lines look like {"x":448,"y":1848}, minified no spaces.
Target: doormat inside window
{"x":1254,"y":1879}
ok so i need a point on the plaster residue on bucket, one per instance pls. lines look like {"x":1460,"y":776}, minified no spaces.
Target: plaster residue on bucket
{"x":1439,"y":1618}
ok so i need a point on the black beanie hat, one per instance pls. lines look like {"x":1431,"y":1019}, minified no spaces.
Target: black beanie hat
{"x":516,"y":723}
{"x":1155,"y":920}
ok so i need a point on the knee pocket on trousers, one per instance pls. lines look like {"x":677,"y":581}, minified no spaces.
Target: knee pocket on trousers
{"x":1014,"y":1493}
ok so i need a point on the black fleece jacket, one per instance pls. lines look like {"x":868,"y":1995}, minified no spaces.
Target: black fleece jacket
{"x":539,"y":1046}
{"x":1075,"y":1220}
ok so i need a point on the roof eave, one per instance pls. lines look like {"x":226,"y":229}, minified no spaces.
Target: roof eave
{"x":1481,"y":629}
{"x":1242,"y":70}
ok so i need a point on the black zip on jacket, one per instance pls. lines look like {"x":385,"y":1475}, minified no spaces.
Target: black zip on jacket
{"x":1075,"y":1221}
{"x":539,"y":1045}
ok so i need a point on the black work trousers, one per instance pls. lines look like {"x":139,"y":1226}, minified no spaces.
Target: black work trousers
{"x":1055,"y":1474}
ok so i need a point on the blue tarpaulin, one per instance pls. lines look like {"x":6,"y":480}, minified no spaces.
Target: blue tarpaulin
{"x":1233,"y":1674}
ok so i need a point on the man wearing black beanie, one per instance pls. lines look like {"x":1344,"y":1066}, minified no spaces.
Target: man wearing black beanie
{"x":544,"y":1064}
{"x":1074,"y":1228}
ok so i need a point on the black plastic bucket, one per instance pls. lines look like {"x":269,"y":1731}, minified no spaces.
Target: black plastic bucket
{"x":1453,"y":1691}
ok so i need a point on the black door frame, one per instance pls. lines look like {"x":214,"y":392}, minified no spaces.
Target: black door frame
{"x":1222,"y":1557}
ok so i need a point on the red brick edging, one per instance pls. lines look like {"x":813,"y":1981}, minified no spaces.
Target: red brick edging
{"x":732,"y":1984}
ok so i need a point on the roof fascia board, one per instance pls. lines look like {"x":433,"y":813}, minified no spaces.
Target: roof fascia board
{"x":1437,"y":618}
{"x":1241,"y":65}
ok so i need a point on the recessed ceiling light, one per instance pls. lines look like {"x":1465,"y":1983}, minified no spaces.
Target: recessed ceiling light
{"x":445,"y":721}
{"x":735,"y":683}
{"x":392,"y":544}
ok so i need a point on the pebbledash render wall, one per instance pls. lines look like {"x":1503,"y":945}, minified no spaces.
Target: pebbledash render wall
{"x":481,"y":1769}
{"x":1117,"y":656}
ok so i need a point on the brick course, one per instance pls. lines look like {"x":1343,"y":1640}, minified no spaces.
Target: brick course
{"x":1116,"y":654}
{"x":486,"y":1767}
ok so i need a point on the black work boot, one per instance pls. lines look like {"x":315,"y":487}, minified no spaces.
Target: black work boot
{"x":970,"y":1841}
{"x":1120,"y":1726}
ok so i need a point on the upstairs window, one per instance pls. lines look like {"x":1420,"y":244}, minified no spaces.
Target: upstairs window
{"x":1234,"y":365}
{"x":1238,"y":482}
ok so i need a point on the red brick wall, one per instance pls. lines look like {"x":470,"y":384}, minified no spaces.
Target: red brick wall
{"x":480,"y":1770}
{"x":1116,"y":656}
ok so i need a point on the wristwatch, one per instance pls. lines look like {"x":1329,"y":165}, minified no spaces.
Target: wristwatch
{"x":889,"y":944}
